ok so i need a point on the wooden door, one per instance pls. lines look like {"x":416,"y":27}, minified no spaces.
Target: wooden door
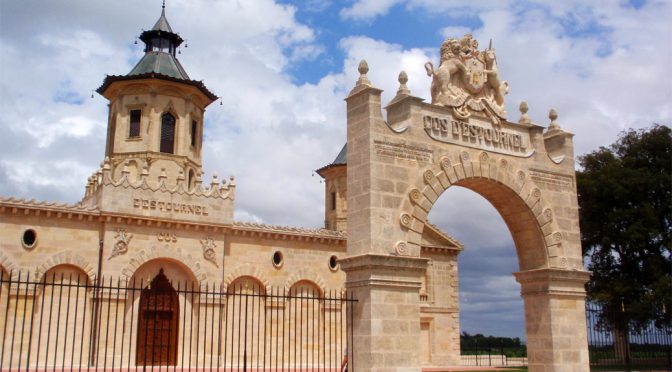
{"x":158,"y":323}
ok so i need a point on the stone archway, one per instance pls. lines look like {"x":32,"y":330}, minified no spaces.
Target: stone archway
{"x":398,"y":168}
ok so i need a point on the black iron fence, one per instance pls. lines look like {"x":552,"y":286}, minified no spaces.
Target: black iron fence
{"x":67,"y":322}
{"x":648,"y":347}
{"x":495,"y":354}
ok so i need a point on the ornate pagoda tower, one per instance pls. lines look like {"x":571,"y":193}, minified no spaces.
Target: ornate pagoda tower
{"x":153,"y":163}
{"x":156,"y":111}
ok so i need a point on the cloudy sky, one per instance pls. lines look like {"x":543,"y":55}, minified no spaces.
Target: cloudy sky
{"x":283,"y":68}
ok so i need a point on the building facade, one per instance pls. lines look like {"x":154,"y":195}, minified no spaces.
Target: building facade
{"x":149,"y":220}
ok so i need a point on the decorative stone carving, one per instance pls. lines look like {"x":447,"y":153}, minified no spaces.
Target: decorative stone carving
{"x":521,"y":176}
{"x":548,"y":213}
{"x":524,"y":117}
{"x":363,"y":69}
{"x":406,"y":220}
{"x":557,"y":236}
{"x":209,"y":253}
{"x":468,"y":80}
{"x":445,"y":164}
{"x":416,"y":195}
{"x":536,"y":193}
{"x":429,"y":176}
{"x":401,"y":248}
{"x":122,"y":239}
{"x":403,"y":88}
{"x":553,"y":115}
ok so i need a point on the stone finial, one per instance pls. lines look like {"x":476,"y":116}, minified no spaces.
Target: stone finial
{"x":106,"y":164}
{"x":125,"y":171}
{"x":215,"y":182}
{"x":403,"y":79}
{"x":163,"y":176}
{"x":524,"y":117}
{"x":180,"y":175}
{"x":553,"y":115}
{"x":363,"y":69}
{"x":144,"y":173}
{"x":232,"y":181}
{"x":199,"y":181}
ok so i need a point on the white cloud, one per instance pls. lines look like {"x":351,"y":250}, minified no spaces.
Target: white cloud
{"x":368,"y":9}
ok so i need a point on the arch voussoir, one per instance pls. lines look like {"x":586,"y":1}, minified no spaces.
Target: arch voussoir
{"x":430,"y":195}
{"x":247,"y":271}
{"x":66,"y":258}
{"x":443,"y":180}
{"x":419,"y":213}
{"x":468,"y":169}
{"x":420,"y":199}
{"x":545,"y":217}
{"x":431,"y":180}
{"x":483,"y":168}
{"x":459,"y":172}
{"x":143,"y":257}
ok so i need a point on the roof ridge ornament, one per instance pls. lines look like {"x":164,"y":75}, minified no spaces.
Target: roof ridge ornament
{"x":363,"y":69}
{"x":467,"y":80}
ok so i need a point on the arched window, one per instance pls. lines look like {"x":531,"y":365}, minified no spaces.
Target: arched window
{"x":194,"y":132}
{"x":167,"y":133}
{"x":191,"y":179}
{"x":134,"y":126}
{"x":158,"y":315}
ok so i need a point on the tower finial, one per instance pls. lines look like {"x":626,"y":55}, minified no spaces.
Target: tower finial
{"x":163,"y":6}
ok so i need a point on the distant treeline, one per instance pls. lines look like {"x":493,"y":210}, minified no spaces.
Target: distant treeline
{"x":468,"y":341}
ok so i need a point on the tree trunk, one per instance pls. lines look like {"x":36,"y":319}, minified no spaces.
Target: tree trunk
{"x":622,"y":347}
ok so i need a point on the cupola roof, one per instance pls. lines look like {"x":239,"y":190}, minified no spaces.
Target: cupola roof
{"x":159,"y":60}
{"x":341,"y":159}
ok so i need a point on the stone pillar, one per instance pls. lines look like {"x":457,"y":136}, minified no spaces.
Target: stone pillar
{"x":555,"y":319}
{"x":386,"y":328}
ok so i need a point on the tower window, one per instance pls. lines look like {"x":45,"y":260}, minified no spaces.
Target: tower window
{"x":190,"y":180}
{"x":167,"y":133}
{"x":333,"y":201}
{"x":194,"y":130}
{"x":134,"y":127}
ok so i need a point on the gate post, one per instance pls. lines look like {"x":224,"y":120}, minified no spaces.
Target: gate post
{"x":386,"y":330}
{"x":555,"y":319}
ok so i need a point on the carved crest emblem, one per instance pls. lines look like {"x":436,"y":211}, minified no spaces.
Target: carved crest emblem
{"x":209,"y":253}
{"x":122,"y":239}
{"x":467,"y":80}
{"x":474,"y":78}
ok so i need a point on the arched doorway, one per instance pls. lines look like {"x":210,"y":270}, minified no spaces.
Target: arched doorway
{"x":158,"y":330}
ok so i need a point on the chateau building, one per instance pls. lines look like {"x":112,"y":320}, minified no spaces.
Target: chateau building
{"x":148,"y":218}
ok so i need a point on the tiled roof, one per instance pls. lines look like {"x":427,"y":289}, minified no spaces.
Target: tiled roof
{"x":318,"y":232}
{"x":162,"y":23}
{"x":160,"y":63}
{"x":341,"y":159}
{"x":152,"y":75}
{"x":32,"y":203}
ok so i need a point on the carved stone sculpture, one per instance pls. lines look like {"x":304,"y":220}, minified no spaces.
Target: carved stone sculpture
{"x":209,"y":253}
{"x":468,"y":80}
{"x":121,"y":245}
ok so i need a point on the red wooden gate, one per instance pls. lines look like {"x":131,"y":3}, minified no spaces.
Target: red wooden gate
{"x":157,"y":324}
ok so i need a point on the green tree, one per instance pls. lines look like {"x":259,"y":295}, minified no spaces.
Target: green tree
{"x":625,"y":214}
